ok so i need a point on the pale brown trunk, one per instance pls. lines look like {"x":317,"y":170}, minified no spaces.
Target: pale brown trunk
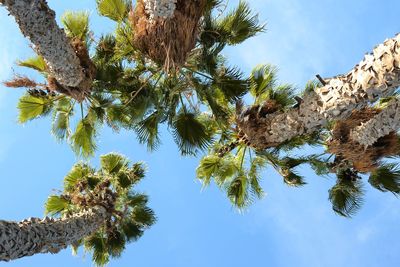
{"x":37,"y":22}
{"x":32,"y":236}
{"x":377,"y":75}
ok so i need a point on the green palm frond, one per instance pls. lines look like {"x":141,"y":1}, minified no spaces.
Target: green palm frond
{"x":78,"y":172}
{"x":124,"y":48}
{"x":189,"y":133}
{"x":231,"y":83}
{"x":143,"y":216}
{"x":386,"y":178}
{"x":83,"y":140}
{"x":239,"y":25}
{"x":132,"y":231}
{"x":55,"y":205}
{"x":31,"y":107}
{"x":115,"y":243}
{"x":76,"y":24}
{"x":36,"y":63}
{"x":291,"y":178}
{"x":135,"y":199}
{"x":116,"y":10}
{"x":112,"y":163}
{"x":63,"y":110}
{"x":346,"y":196}
{"x":105,"y":48}
{"x":256,"y":165}
{"x":222,"y":169}
{"x":262,"y":79}
{"x":147,"y":131}
{"x":237,"y":191}
{"x":97,"y":244}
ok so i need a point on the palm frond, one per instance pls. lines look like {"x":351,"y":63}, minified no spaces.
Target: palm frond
{"x":76,"y":24}
{"x":386,"y":178}
{"x":55,"y":205}
{"x":36,"y":63}
{"x":147,"y":131}
{"x":239,"y":24}
{"x":346,"y":196}
{"x":31,"y":107}
{"x":83,"y":140}
{"x":78,"y":172}
{"x":63,"y":110}
{"x":116,"y":10}
{"x":189,"y":133}
{"x":262,"y":79}
{"x":237,"y":191}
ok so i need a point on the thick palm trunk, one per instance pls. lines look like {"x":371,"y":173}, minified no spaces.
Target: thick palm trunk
{"x":34,"y":236}
{"x":387,"y":121}
{"x":37,"y":22}
{"x":377,"y":75}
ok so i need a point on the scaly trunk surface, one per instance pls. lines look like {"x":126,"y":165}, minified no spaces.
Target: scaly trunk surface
{"x":387,"y":121}
{"x":37,"y":22}
{"x":377,"y":75}
{"x":32,"y":236}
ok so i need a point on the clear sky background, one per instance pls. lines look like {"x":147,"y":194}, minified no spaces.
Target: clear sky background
{"x":289,"y":227}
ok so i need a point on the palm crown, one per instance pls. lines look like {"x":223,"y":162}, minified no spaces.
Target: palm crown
{"x":200,"y":101}
{"x":110,"y":188}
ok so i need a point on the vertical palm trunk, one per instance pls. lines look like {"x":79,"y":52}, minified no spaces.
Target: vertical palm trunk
{"x":34,"y":236}
{"x":377,"y":75}
{"x":37,"y":22}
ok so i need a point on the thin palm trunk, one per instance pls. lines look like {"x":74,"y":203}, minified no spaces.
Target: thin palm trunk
{"x":37,"y":22}
{"x":34,"y":236}
{"x":377,"y":75}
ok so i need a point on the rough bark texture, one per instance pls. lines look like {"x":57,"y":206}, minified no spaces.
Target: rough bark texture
{"x":35,"y":235}
{"x":361,"y":158}
{"x":377,"y":75}
{"x":387,"y":121}
{"x":37,"y":22}
{"x":159,"y":9}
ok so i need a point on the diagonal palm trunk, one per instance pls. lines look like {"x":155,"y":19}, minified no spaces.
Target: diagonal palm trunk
{"x":377,"y":75}
{"x":34,"y":236}
{"x":37,"y":22}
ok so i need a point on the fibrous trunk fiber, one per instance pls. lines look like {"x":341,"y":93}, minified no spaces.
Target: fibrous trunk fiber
{"x":166,"y":33}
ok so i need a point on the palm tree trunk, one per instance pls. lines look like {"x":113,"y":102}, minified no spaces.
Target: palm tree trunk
{"x":34,"y":235}
{"x":387,"y":121}
{"x":377,"y":75}
{"x":157,"y":9}
{"x":37,"y":22}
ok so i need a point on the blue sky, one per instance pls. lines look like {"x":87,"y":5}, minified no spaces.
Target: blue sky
{"x":289,"y":227}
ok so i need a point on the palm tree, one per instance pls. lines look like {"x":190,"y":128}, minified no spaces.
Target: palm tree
{"x":131,"y":92}
{"x":374,"y":77}
{"x":97,"y":210}
{"x":235,"y":163}
{"x":66,"y":59}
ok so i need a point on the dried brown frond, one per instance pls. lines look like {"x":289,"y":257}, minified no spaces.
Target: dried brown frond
{"x":363,"y":159}
{"x":20,"y":82}
{"x":167,"y":42}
